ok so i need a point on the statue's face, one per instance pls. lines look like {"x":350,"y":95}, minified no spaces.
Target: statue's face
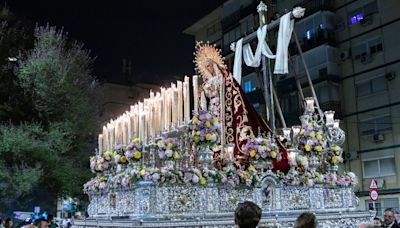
{"x":210,"y":67}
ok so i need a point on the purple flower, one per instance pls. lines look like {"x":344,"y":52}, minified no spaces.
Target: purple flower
{"x":161,"y":154}
{"x":129,"y":154}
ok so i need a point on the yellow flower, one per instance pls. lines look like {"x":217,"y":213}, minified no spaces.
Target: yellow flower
{"x":101,"y":160}
{"x":208,"y":136}
{"x":142,"y":172}
{"x":197,"y":138}
{"x":122,"y":159}
{"x":137,"y":155}
{"x":301,"y":132}
{"x":195,"y":121}
{"x":319,"y":137}
{"x":169,"y":145}
{"x":245,"y":175}
{"x":193,"y":132}
{"x":317,"y":174}
{"x":334,"y":159}
{"x":107,"y":154}
{"x":176,"y":155}
{"x":215,"y":119}
{"x":318,"y":148}
{"x":208,"y":124}
{"x":136,"y":140}
{"x":251,"y":168}
{"x":273,"y":154}
{"x":336,"y":148}
{"x":252,"y":153}
{"x":307,"y":147}
{"x":312,"y":134}
{"x":203,"y":181}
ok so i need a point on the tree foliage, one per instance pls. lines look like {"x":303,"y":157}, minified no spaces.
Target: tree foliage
{"x":49,"y":109}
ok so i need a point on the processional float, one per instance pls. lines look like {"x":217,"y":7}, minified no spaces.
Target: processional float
{"x":159,"y":166}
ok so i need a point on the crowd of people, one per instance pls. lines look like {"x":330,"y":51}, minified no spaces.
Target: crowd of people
{"x":248,"y":215}
{"x":42,"y":222}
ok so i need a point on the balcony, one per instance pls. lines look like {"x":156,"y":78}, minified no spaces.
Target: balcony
{"x":313,"y":6}
{"x":236,"y":11}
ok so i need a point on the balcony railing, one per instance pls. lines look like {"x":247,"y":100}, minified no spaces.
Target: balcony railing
{"x":313,"y":6}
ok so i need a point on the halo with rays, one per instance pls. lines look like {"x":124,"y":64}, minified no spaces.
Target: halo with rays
{"x":206,"y":53}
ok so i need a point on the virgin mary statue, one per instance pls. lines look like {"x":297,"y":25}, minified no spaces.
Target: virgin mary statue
{"x":240,"y":120}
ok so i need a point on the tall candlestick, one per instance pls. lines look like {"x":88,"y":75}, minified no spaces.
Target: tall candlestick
{"x":111,"y":133}
{"x":173,"y":104}
{"x":186,"y":100}
{"x":130,"y":124}
{"x":141,"y":121}
{"x":195,"y":79}
{"x":180,"y":104}
{"x":105,"y":139}
{"x":100,"y":142}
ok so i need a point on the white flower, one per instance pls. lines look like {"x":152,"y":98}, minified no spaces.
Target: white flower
{"x":168,"y":153}
{"x":155,"y":176}
{"x":195,"y":179}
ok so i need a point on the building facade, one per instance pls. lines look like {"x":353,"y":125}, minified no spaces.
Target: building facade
{"x":353,"y":58}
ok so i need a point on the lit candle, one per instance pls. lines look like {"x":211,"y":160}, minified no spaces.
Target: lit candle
{"x":100,"y":142}
{"x":105,"y":139}
{"x":130,"y":123}
{"x":186,"y":100}
{"x":179,"y":103}
{"x":111,"y":132}
{"x":336,"y":123}
{"x":329,"y":115}
{"x":309,"y":104}
{"x":141,"y":121}
{"x":203,"y":101}
{"x":195,"y":79}
{"x":296,"y":130}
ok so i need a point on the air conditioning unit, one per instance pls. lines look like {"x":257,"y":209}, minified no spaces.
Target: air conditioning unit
{"x":351,"y":155}
{"x":390,"y":76}
{"x":366,"y":58}
{"x":344,"y":55}
{"x":378,"y":138}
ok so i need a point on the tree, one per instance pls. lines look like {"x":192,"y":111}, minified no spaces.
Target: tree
{"x":46,"y":148}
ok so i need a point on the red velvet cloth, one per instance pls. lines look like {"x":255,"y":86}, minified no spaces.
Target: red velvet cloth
{"x":242,"y":121}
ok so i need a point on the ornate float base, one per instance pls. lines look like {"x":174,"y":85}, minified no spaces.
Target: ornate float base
{"x":150,"y":205}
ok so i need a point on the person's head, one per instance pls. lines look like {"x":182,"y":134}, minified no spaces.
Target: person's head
{"x":377,"y":221}
{"x":50,"y":218}
{"x":247,"y":215}
{"x":388,"y":216}
{"x":42,"y":223}
{"x":8,"y":222}
{"x":306,"y":220}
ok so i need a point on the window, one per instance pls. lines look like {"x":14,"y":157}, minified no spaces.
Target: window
{"x":371,"y":86}
{"x":379,"y":167}
{"x":383,"y":204}
{"x":290,"y":103}
{"x":213,"y":29}
{"x":369,"y":47}
{"x":375,"y":125}
{"x":248,"y":87}
{"x":358,"y":15}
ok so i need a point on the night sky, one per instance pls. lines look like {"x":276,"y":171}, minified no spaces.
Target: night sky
{"x":149,"y":33}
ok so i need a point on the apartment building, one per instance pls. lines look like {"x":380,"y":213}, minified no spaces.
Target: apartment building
{"x":354,"y":61}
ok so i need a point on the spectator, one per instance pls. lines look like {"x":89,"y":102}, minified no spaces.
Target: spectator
{"x":1,"y":223}
{"x":389,"y":220}
{"x":377,"y":222}
{"x":8,"y":223}
{"x":247,"y":215}
{"x":50,"y":220}
{"x":306,"y":220}
{"x":41,"y":223}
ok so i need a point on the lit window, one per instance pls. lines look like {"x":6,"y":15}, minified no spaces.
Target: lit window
{"x":379,"y":167}
{"x":358,"y":15}
{"x":247,"y":86}
{"x":371,"y":86}
{"x":375,"y":125}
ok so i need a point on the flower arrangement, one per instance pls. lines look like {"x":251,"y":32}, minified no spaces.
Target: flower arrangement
{"x":335,"y":155}
{"x":134,"y":150}
{"x":311,"y":139}
{"x":262,"y":148}
{"x":168,"y":149}
{"x":119,"y":155}
{"x":96,"y":184}
{"x":205,"y":128}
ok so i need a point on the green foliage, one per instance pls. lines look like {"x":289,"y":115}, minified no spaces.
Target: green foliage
{"x":48,"y":110}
